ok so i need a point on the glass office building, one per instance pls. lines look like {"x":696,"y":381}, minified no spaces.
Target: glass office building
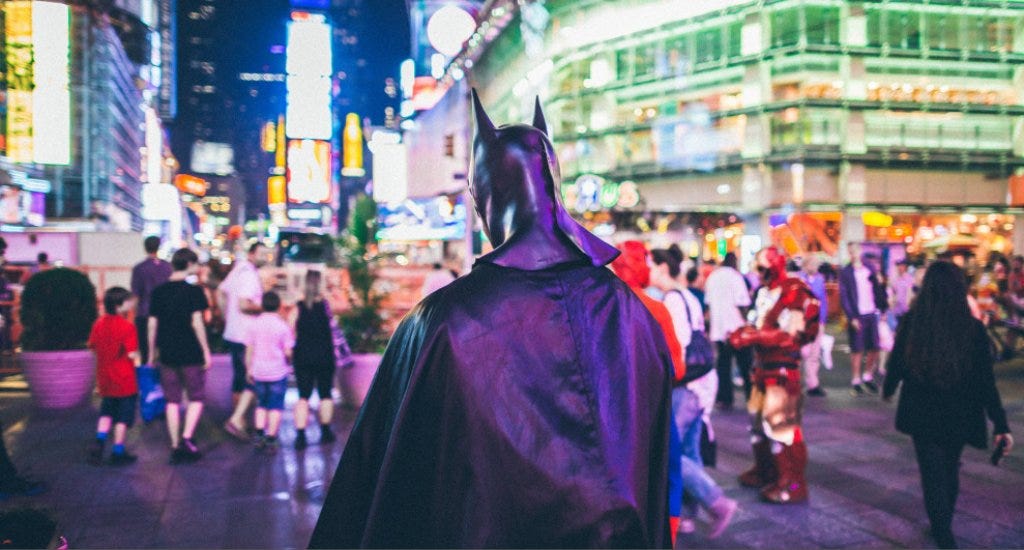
{"x":803,"y":121}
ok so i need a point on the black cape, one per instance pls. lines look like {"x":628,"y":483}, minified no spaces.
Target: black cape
{"x":512,"y":409}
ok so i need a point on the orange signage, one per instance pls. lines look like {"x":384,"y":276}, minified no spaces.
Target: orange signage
{"x":190,"y":184}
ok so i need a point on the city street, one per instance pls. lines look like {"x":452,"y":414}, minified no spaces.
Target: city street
{"x":865,"y":491}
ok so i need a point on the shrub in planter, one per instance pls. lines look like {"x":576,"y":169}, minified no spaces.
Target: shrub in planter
{"x":362,"y":324}
{"x":58,"y":309}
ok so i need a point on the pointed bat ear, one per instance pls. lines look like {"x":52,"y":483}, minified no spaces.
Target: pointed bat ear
{"x":538,"y":117}
{"x":484,"y":126}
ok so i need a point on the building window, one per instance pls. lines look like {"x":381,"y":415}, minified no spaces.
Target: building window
{"x":903,"y":30}
{"x":785,"y":27}
{"x":822,"y":25}
{"x":709,"y":45}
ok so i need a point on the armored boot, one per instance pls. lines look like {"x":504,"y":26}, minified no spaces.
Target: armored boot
{"x":764,"y":471}
{"x":791,"y":487}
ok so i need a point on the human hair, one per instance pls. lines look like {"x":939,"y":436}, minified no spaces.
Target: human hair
{"x":437,"y":265}
{"x":26,"y":528}
{"x":666,"y":256}
{"x":114,"y":298}
{"x":312,"y":291}
{"x":940,"y":320}
{"x":271,"y":302}
{"x":43,"y":257}
{"x":691,"y":275}
{"x":151,"y":244}
{"x":730,"y":260}
{"x":255,"y":247}
{"x":182,"y":258}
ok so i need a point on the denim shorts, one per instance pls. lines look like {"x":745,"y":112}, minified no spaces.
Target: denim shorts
{"x":270,"y":395}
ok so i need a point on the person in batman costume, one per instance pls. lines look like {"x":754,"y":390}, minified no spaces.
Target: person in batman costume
{"x":526,"y":404}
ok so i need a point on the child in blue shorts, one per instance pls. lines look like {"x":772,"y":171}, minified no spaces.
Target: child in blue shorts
{"x":268,"y":350}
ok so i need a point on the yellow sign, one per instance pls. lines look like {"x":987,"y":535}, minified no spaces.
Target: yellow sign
{"x":352,"y":147}
{"x":36,"y":51}
{"x":268,"y":137}
{"x":277,"y":190}
{"x":876,"y":219}
{"x":18,"y":51}
{"x":280,"y":158}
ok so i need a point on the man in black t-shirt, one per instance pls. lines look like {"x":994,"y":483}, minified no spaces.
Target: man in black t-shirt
{"x":177,"y":340}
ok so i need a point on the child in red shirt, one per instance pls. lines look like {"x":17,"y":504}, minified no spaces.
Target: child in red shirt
{"x":115,"y":343}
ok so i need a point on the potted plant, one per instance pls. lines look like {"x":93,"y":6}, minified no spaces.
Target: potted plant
{"x":58,"y":309}
{"x":362,"y":323}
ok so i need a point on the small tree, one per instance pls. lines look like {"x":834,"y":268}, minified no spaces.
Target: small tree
{"x":363,"y":323}
{"x":58,"y":309}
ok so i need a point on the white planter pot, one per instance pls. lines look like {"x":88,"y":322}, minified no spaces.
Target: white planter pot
{"x":354,"y":382}
{"x":58,"y":379}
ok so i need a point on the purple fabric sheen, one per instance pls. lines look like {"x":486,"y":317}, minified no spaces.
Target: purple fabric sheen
{"x":515,"y":182}
{"x":512,"y":409}
{"x":527,"y":404}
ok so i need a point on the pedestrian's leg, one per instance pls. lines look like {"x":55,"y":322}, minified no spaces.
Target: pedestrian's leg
{"x":812,"y":362}
{"x":192,"y":415}
{"x":103,"y":428}
{"x":870,"y":365}
{"x":120,"y":430}
{"x":302,"y":413}
{"x":273,"y":422}
{"x":933,"y":463}
{"x":142,"y":333}
{"x":173,"y":414}
{"x":326,"y":411}
{"x":855,"y":358}
{"x":723,"y":366}
{"x":8,"y":472}
{"x":325,"y":383}
{"x":261,"y":419}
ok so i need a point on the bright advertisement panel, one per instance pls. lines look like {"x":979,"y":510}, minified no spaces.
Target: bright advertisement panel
{"x":18,"y":55}
{"x":308,"y":64}
{"x":390,"y":172}
{"x":309,"y":171}
{"x":437,"y":218}
{"x":213,"y":158}
{"x":37,"y":45}
{"x":51,"y":99}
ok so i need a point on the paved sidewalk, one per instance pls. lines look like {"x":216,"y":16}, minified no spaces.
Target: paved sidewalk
{"x":865,"y":491}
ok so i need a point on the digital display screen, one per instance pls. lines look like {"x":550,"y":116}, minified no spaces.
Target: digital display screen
{"x":439,"y":218}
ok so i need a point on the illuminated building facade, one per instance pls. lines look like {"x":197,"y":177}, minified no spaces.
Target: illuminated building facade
{"x":773,"y":111}
{"x":77,"y":82}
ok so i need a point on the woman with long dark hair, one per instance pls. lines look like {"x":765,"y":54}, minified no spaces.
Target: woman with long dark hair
{"x":943,"y":358}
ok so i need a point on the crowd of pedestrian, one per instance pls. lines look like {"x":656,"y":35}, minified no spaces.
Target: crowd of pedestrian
{"x":171,"y":309}
{"x":718,"y":325}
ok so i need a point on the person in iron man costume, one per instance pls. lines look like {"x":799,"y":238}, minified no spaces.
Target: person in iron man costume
{"x":786,"y":320}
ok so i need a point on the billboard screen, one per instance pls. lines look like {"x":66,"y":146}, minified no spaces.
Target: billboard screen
{"x":309,"y":171}
{"x":438,"y":218}
{"x":37,"y":44}
{"x":309,"y":67}
{"x":213,"y":158}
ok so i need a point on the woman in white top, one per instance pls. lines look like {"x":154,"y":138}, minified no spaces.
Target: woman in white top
{"x":691,"y":405}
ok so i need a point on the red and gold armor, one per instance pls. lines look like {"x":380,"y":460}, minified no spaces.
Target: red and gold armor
{"x":785,"y":319}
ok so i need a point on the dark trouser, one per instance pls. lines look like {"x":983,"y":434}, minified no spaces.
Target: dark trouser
{"x":939,"y":463}
{"x":238,"y":382}
{"x":744,"y":359}
{"x":142,"y":330}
